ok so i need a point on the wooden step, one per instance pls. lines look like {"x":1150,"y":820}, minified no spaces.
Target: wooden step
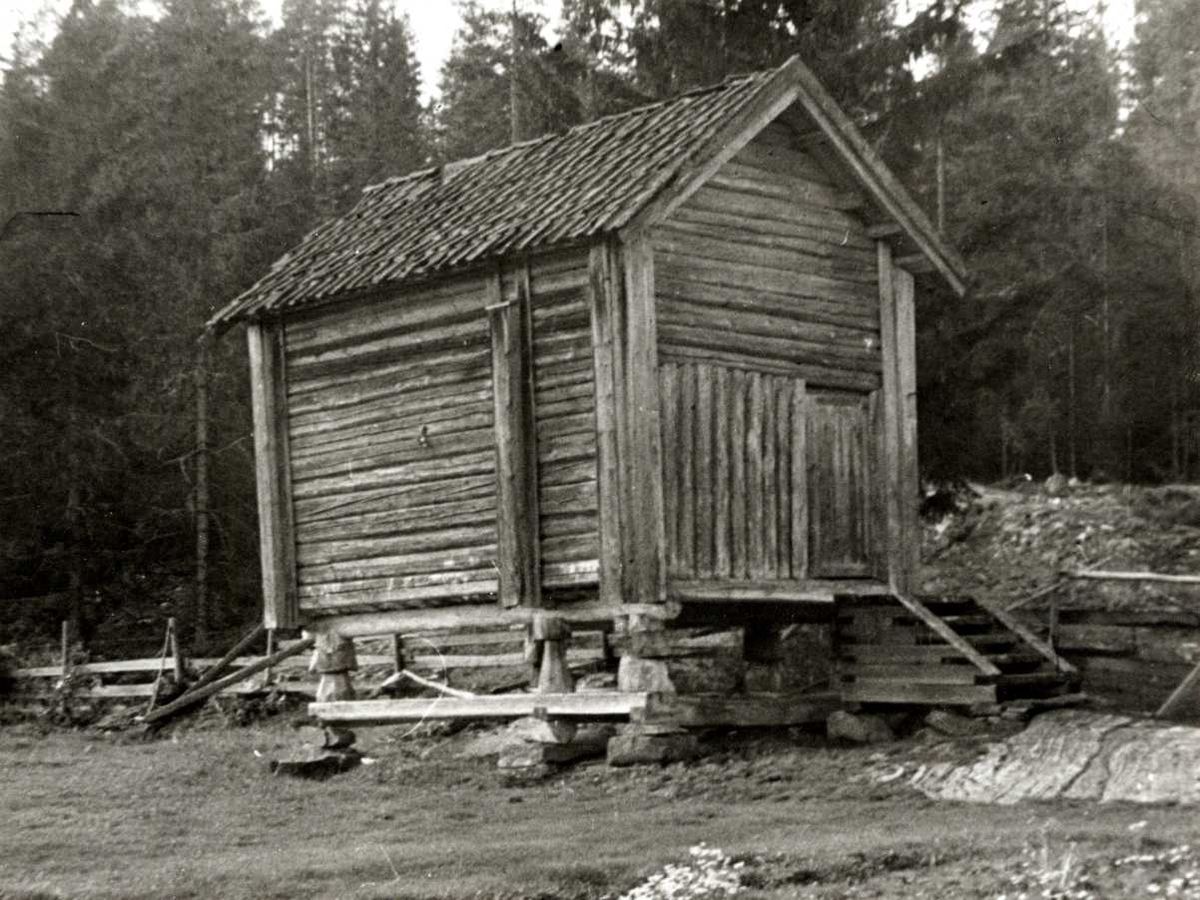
{"x":971,"y":620}
{"x":1038,"y":677}
{"x":1020,"y":657}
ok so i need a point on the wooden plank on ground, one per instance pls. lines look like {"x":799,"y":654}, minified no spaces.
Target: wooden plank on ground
{"x":583,"y":705}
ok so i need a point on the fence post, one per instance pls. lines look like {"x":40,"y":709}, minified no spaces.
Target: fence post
{"x":177,"y":658}
{"x":65,"y":652}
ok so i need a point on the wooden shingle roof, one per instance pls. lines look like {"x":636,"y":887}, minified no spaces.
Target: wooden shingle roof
{"x":559,"y":189}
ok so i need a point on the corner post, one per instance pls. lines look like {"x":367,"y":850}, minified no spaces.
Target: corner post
{"x":647,"y":580}
{"x":276,"y":536}
{"x":518,"y":549}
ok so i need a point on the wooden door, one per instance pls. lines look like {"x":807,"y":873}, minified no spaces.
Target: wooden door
{"x":840,"y":448}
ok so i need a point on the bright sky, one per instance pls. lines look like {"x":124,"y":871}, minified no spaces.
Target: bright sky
{"x":435,"y":21}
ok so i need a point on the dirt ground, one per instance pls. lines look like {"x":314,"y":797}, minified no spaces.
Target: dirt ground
{"x":196,"y":815}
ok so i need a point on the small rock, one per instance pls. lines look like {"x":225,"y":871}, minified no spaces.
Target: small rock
{"x":316,"y":765}
{"x":542,"y":731}
{"x":860,"y":729}
{"x":953,"y":724}
{"x":635,"y":749}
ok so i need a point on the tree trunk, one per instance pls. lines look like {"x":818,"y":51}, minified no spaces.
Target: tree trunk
{"x":200,"y":612}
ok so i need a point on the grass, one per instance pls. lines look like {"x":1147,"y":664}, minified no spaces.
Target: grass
{"x":197,"y":816}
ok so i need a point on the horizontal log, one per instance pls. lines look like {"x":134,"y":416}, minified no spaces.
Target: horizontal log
{"x":784,"y":349}
{"x":806,"y":591}
{"x":778,"y":153}
{"x":811,"y":341}
{"x":910,"y":674}
{"x":329,"y":411}
{"x":738,"y":711}
{"x":760,"y":182}
{"x":357,"y":502}
{"x":413,"y":425}
{"x":397,"y":596}
{"x":320,"y":553}
{"x":466,"y":618}
{"x":413,"y":448}
{"x":575,"y":656}
{"x":816,"y":238}
{"x":399,"y":522}
{"x":933,"y":694}
{"x":820,"y":256}
{"x":568,"y":472}
{"x":694,"y":266}
{"x":572,"y":573}
{"x":399,"y":564}
{"x":752,"y":299}
{"x":774,"y":256}
{"x":831,"y":224}
{"x":586,"y":705}
{"x":887,"y":654}
{"x":1155,"y":577}
{"x":398,"y":476}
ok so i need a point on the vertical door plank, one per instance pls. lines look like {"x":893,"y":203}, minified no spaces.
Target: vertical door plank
{"x":669,"y":392}
{"x":722,"y":405}
{"x":800,"y":488}
{"x":783,"y":462}
{"x":739,"y":557}
{"x":770,"y":479}
{"x":687,"y":473}
{"x":703,"y":441}
{"x":754,"y":477}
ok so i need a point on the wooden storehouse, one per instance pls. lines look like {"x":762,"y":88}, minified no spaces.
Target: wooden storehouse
{"x":657,"y":369}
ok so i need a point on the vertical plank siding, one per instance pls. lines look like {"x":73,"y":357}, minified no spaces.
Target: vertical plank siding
{"x":731,"y":514}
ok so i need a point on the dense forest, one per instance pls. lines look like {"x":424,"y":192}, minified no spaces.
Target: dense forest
{"x":153,"y":165}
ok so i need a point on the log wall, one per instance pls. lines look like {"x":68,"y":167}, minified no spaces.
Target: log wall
{"x":392,"y":441}
{"x":393,"y":459}
{"x":764,"y":268}
{"x":768,"y":322}
{"x":565,"y":409}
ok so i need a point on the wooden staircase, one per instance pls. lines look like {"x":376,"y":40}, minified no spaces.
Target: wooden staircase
{"x":944,"y":651}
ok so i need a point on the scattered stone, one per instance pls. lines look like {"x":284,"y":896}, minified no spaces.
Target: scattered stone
{"x":637,"y":749}
{"x":315,"y":764}
{"x":953,"y":724}
{"x":860,"y":729}
{"x":682,"y":675}
{"x":638,"y":674}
